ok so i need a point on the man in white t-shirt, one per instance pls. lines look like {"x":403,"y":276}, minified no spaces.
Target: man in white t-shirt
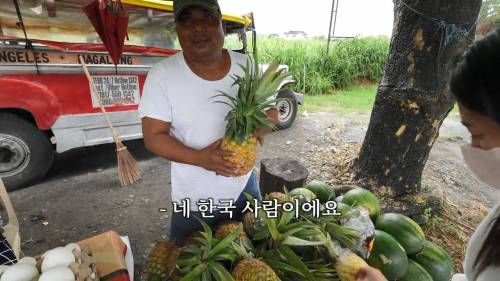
{"x":182,"y":122}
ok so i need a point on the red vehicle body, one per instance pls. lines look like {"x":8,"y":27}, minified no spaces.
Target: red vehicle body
{"x":45,"y":99}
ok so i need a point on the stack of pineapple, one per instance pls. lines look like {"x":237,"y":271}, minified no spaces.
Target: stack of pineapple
{"x":259,"y":249}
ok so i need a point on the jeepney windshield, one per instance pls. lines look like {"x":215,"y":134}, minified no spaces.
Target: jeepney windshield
{"x":65,"y":21}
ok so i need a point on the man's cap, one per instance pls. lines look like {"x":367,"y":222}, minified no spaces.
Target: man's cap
{"x":181,"y":5}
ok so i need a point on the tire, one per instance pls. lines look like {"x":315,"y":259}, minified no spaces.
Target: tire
{"x":26,"y":153}
{"x":287,"y":109}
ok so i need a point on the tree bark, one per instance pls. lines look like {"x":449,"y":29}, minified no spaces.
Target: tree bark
{"x":413,"y":98}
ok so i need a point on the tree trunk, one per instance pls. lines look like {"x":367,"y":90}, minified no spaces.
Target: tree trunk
{"x":279,"y":174}
{"x":413,"y":98}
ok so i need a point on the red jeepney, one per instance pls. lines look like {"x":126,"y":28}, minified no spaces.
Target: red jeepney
{"x":45,"y":100}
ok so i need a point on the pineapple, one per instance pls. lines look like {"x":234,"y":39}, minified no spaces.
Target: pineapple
{"x":226,"y":227}
{"x":348,"y":266}
{"x":279,"y":196}
{"x":252,"y":225}
{"x":248,"y":112}
{"x":251,"y":269}
{"x":161,"y":262}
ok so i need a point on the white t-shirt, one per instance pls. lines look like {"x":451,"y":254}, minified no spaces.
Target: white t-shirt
{"x":475,"y":243}
{"x":173,"y":93}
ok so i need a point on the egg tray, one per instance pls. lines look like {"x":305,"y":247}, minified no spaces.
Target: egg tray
{"x":84,"y":266}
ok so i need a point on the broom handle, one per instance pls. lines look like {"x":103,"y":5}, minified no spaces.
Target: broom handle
{"x":96,"y":93}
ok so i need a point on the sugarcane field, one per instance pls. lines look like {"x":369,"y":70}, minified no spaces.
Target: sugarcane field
{"x":222,"y":140}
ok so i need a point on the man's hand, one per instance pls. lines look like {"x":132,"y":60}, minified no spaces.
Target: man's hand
{"x":212,"y":158}
{"x":370,"y":274}
{"x":272,"y":116}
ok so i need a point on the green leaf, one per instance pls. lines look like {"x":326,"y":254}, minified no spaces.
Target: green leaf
{"x":221,"y":245}
{"x":206,"y":276}
{"x":188,"y":262}
{"x":294,"y":241}
{"x":296,"y":262}
{"x":273,"y":230}
{"x":196,"y":272}
{"x":282,"y":266}
{"x":223,"y":102}
{"x":219,"y":272}
{"x":291,"y":232}
{"x":226,"y":95}
{"x":285,"y":219}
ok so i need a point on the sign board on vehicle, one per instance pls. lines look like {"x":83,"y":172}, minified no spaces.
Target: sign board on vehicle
{"x":116,"y":90}
{"x":23,"y":56}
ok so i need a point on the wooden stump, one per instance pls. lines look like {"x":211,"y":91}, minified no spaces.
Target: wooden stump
{"x":279,"y":173}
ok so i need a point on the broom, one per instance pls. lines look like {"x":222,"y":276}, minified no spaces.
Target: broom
{"x":129,"y":171}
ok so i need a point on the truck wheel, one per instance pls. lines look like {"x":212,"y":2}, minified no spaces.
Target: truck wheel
{"x":287,"y":109}
{"x":26,"y":153}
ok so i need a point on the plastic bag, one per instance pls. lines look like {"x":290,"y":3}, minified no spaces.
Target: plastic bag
{"x":360,"y":221}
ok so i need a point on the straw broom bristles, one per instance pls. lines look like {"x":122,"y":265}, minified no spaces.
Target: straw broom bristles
{"x":129,"y":171}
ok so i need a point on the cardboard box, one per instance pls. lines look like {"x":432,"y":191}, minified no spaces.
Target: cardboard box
{"x":109,"y":250}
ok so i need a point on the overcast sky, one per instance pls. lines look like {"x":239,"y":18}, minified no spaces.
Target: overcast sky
{"x":355,"y":17}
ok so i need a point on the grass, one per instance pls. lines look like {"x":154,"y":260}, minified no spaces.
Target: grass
{"x":353,"y":99}
{"x":358,"y":98}
{"x":348,"y":61}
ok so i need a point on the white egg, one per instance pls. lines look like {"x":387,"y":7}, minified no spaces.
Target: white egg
{"x":3,"y":268}
{"x":72,"y":246}
{"x":59,"y":256}
{"x":60,"y":273}
{"x":27,"y":260}
{"x":20,"y":272}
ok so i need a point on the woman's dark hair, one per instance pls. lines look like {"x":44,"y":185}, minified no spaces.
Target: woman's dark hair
{"x":476,"y":85}
{"x":475,"y":82}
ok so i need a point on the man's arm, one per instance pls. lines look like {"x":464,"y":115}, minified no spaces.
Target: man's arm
{"x":158,"y":140}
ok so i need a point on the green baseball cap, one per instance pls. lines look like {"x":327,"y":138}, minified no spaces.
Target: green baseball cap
{"x":181,"y":5}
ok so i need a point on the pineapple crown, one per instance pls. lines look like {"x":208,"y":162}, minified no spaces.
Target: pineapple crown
{"x":255,"y":96}
{"x":206,"y":257}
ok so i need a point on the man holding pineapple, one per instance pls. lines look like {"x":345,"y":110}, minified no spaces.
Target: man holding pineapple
{"x":185,"y":115}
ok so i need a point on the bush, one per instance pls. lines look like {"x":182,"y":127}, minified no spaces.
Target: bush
{"x":348,"y":61}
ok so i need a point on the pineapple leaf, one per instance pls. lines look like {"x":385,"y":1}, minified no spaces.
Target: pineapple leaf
{"x":226,"y":95}
{"x":345,"y":235}
{"x":219,"y":272}
{"x":279,"y":266}
{"x":294,"y":241}
{"x":269,"y":103}
{"x":273,"y":230}
{"x":285,"y":219}
{"x":222,"y":244}
{"x":195,"y":273}
{"x":264,"y":121}
{"x":299,"y":224}
{"x":188,"y":262}
{"x":208,"y":235}
{"x":226,"y":257}
{"x":223,"y":102}
{"x":205,"y":276}
{"x":296,"y":262}
{"x":291,"y":232}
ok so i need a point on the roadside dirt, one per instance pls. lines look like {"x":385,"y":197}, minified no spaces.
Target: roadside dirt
{"x":81,"y":196}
